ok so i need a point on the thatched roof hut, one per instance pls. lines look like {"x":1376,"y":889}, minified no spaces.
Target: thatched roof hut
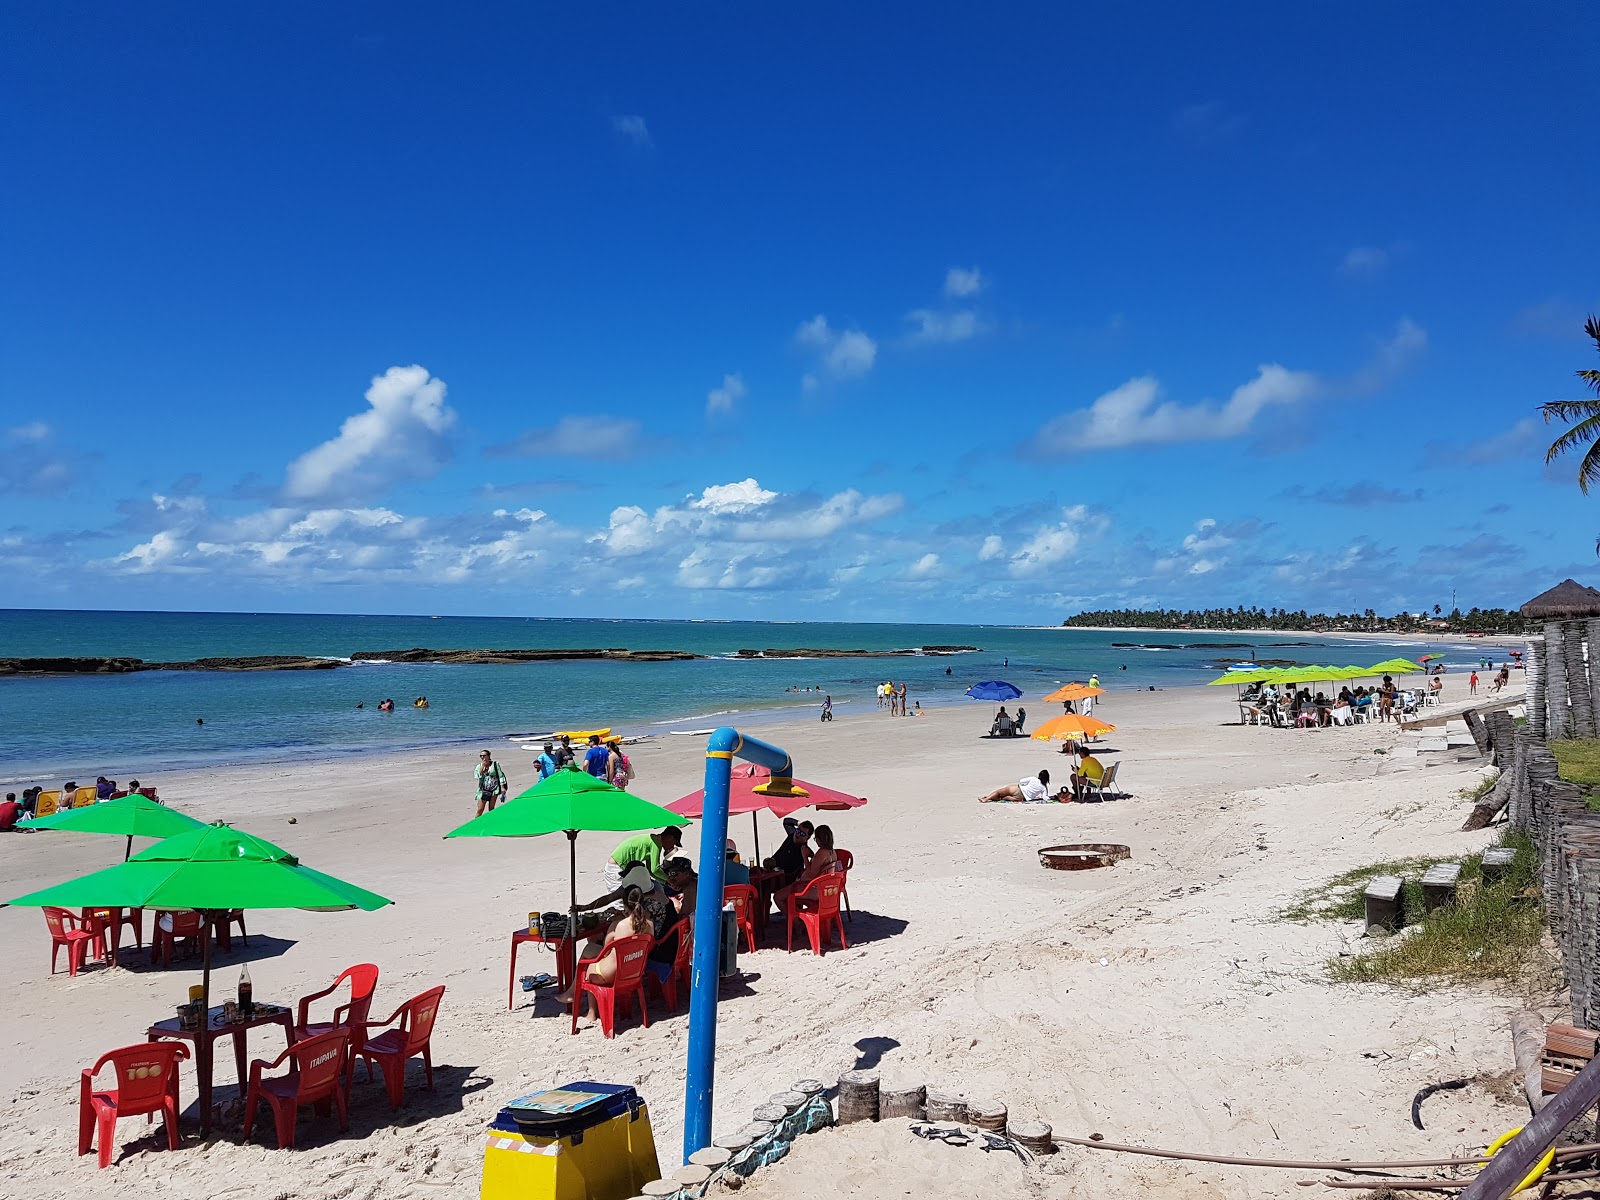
{"x":1568,"y":600}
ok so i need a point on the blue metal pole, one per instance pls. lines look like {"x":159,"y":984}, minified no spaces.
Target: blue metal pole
{"x":724,"y":745}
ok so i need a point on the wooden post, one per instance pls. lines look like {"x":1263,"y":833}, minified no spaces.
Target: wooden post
{"x":1489,"y":807}
{"x":1577,"y":680}
{"x":1538,"y":686}
{"x":858,"y":1097}
{"x":1527,"y":1044}
{"x":902,"y":1100}
{"x":1479,"y":731}
{"x":1496,"y":864}
{"x":1439,"y":885}
{"x":1592,"y":636}
{"x":1558,"y":716}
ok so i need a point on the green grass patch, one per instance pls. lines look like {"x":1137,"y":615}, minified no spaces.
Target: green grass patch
{"x":1483,"y":788}
{"x":1579,"y":761}
{"x":1491,"y":933}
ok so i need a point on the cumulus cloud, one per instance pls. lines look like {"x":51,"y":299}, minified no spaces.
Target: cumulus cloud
{"x":722,"y":399}
{"x":610,"y":437}
{"x":1391,"y":356}
{"x":1364,"y":262}
{"x":1050,"y":544}
{"x":926,"y":567}
{"x":1522,"y":441}
{"x":1130,"y":415}
{"x":403,"y":435}
{"x":734,"y":497}
{"x":960,"y":282}
{"x":841,"y":354}
{"x":633,"y":128}
{"x":993,"y":547}
{"x":930,"y":326}
{"x":33,"y":431}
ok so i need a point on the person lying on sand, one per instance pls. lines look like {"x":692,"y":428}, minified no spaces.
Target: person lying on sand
{"x":1034,"y":788}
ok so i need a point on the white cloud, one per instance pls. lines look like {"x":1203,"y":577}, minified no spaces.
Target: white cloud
{"x":932,"y":326}
{"x":583,"y":437}
{"x":993,"y":547}
{"x":846,"y":354}
{"x":963,"y":281}
{"x":630,"y":531}
{"x":1364,"y":262}
{"x":403,"y":435}
{"x":35,"y":468}
{"x":634,"y":129}
{"x":837,"y":512}
{"x":1050,"y":544}
{"x":926,"y":567}
{"x":734,"y":497}
{"x":722,"y":399}
{"x":1130,"y":415}
{"x":33,"y":431}
{"x":1390,"y":356}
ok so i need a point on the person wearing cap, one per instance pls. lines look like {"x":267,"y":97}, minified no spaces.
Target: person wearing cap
{"x":546,"y":762}
{"x":648,"y":848}
{"x":734,"y":871}
{"x":790,"y":859}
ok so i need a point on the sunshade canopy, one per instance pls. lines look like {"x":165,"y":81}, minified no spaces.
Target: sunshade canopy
{"x":994,"y":689}
{"x":213,"y":867}
{"x":743,"y":798}
{"x":129,"y":816}
{"x":1071,"y":725}
{"x":1394,"y":666}
{"x":568,"y":800}
{"x":1074,"y":691}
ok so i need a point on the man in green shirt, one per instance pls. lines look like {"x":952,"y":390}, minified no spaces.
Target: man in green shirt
{"x":648,"y":848}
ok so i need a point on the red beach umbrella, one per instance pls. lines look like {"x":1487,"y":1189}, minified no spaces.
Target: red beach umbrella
{"x":743,"y":798}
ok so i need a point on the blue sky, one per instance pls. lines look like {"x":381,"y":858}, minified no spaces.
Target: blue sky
{"x":873,"y":312}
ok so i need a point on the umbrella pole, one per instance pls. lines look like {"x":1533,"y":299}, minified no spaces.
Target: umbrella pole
{"x":755,"y":832}
{"x":572,"y":913}
{"x":204,"y":1045}
{"x":128,"y":853}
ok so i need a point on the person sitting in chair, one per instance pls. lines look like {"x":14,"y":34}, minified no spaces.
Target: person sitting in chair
{"x":1087,"y":773}
{"x":1003,"y":725}
{"x":822,"y":862}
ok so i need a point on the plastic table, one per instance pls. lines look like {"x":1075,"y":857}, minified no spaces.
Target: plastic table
{"x":215,"y":1027}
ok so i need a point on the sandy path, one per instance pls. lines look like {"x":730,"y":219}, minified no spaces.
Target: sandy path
{"x":1158,"y":1001}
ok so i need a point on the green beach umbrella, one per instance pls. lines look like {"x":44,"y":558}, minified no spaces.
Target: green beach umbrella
{"x":1395,"y":666}
{"x":131,"y":816}
{"x":211,"y":869}
{"x":570,"y":802}
{"x":1255,"y":676}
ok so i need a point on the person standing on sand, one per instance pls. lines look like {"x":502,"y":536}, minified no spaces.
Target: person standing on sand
{"x":1472,"y":684}
{"x":490,"y":783}
{"x":900,"y":695}
{"x":597,"y":759}
{"x":1386,"y":698}
{"x":546,"y":762}
{"x":564,"y":753}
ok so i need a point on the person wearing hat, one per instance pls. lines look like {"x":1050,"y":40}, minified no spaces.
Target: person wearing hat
{"x":647,"y":848}
{"x":734,"y":871}
{"x":546,"y":762}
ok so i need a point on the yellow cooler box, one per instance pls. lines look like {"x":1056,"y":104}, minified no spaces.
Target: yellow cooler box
{"x":583,"y":1141}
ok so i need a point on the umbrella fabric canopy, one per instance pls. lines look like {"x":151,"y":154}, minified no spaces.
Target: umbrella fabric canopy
{"x":1394,"y":666}
{"x":1071,"y":725}
{"x":994,"y":689}
{"x":129,"y":817}
{"x":743,"y":798}
{"x":569,"y":802}
{"x":1255,"y":675}
{"x":1427,"y":658}
{"x":213,"y":868}
{"x":1308,"y":674}
{"x":1074,"y":691}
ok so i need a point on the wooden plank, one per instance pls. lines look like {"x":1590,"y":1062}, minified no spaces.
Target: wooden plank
{"x":1385,"y":908}
{"x":1507,"y":1168}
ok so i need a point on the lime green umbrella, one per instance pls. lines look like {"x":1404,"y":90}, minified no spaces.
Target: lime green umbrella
{"x":1255,"y":676}
{"x":570,"y":802}
{"x":130,"y":816}
{"x":1394,"y":666}
{"x":211,"y":869}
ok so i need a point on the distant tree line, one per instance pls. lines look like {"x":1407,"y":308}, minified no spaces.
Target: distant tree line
{"x":1476,"y":620}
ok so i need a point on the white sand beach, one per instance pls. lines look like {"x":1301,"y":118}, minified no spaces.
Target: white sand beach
{"x":1157,"y":1002}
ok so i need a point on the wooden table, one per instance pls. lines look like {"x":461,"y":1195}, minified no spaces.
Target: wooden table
{"x":214,"y":1029}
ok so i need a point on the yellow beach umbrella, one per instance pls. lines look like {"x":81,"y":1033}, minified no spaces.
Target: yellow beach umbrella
{"x":1073,"y":726}
{"x":1074,"y":691}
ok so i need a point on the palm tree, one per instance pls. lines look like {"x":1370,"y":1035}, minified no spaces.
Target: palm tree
{"x":1587,"y":415}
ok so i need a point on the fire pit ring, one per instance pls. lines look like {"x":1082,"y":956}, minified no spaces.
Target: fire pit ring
{"x":1083,"y":856}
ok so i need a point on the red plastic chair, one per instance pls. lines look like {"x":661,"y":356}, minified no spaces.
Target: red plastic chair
{"x":67,"y":930}
{"x":393,"y":1048}
{"x":363,"y":979}
{"x":746,"y":902}
{"x":633,"y":957}
{"x":681,"y":969}
{"x":134,"y":918}
{"x":186,"y":927}
{"x":223,"y":925}
{"x":317,"y":1077}
{"x":147,"y":1083}
{"x":823,"y":895}
{"x":847,"y":862}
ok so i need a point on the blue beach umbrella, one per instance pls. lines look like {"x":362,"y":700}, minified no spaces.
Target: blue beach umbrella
{"x":994,"y":689}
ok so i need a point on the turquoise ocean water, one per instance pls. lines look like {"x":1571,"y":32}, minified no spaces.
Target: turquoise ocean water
{"x":53,"y":728}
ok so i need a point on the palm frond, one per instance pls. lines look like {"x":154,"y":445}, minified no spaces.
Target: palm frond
{"x":1570,"y":410}
{"x":1581,"y":433}
{"x":1592,"y":328}
{"x":1592,"y":378}
{"x":1589,"y":469}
